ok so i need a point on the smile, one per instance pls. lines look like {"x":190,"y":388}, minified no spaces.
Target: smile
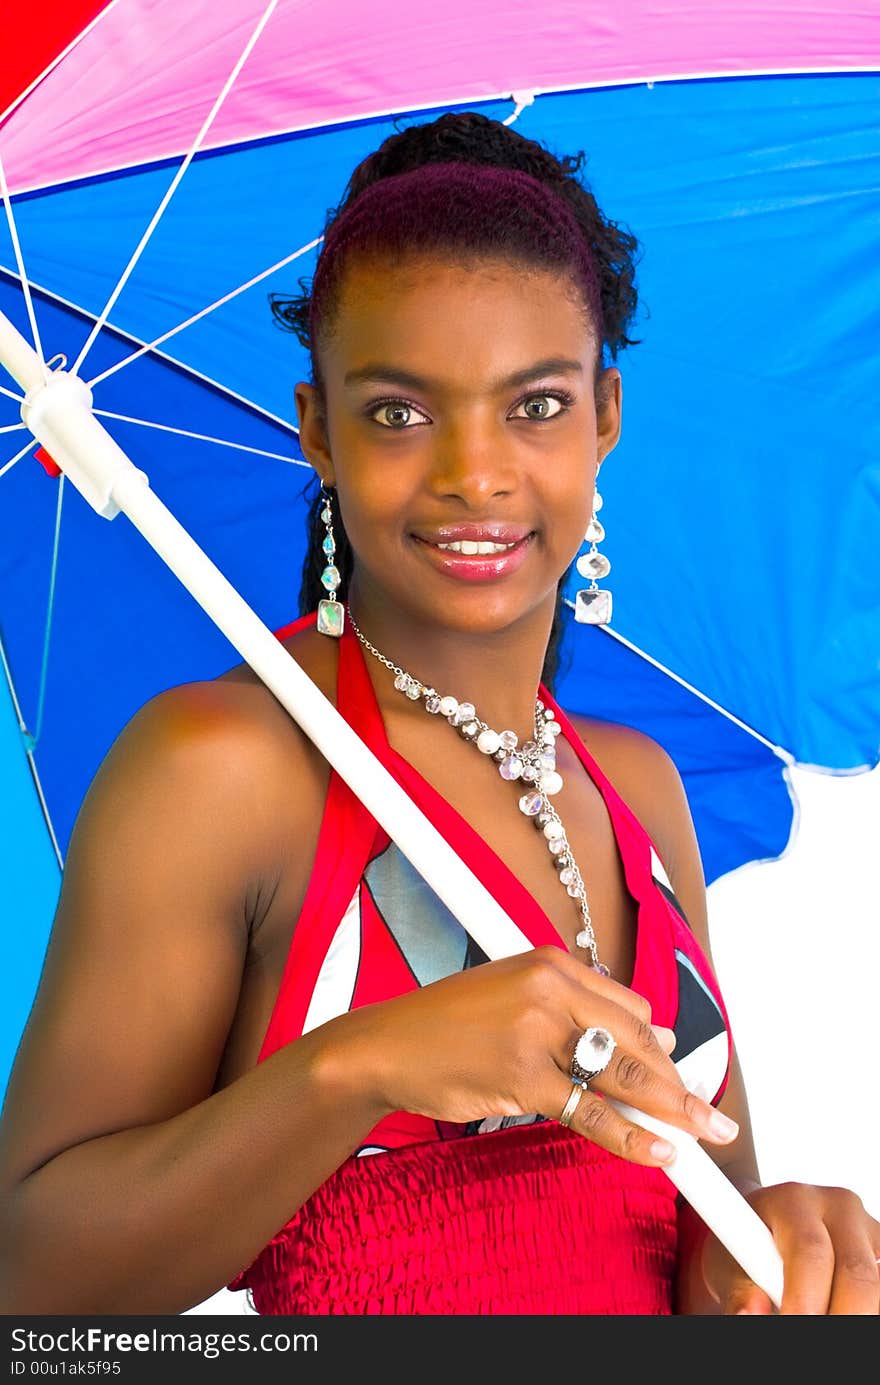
{"x":475,"y":560}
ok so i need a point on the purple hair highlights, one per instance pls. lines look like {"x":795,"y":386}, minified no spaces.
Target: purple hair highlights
{"x":469,"y":210}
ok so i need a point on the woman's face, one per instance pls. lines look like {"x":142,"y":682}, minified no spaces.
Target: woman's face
{"x":460,"y":408}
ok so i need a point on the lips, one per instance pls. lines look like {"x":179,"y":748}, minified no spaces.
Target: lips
{"x":487,"y":532}
{"x":467,"y":563}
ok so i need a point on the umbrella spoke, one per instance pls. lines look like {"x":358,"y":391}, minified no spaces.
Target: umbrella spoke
{"x":218,"y":303}
{"x":178,"y":364}
{"x":199,"y":437}
{"x":18,"y":456}
{"x":704,"y":697}
{"x":47,"y":631}
{"x":175,"y":183}
{"x":16,"y":246}
{"x":29,"y":751}
{"x":59,"y":58}
{"x":11,"y":427}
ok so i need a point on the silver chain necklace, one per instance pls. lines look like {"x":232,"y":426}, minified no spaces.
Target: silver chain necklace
{"x":534,"y":764}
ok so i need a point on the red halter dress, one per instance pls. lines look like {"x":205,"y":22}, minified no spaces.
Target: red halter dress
{"x":506,"y":1216}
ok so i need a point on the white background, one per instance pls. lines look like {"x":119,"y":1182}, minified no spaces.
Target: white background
{"x":796,"y":945}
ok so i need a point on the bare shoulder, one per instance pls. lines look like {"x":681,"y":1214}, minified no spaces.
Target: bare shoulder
{"x":236,"y":731}
{"x":235,"y":712}
{"x":641,"y":770}
{"x":211,"y":742}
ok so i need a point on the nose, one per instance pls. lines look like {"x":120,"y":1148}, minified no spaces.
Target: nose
{"x":472,"y":462}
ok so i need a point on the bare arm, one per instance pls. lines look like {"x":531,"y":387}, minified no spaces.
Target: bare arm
{"x":125,"y":1184}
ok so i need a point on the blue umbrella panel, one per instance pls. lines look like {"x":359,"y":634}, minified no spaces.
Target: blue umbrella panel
{"x":742,"y":505}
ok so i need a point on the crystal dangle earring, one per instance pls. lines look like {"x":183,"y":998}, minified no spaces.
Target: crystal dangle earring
{"x":331,"y":612}
{"x":592,"y":606}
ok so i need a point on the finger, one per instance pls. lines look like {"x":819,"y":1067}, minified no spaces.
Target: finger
{"x":746,"y":1297}
{"x":808,"y":1259}
{"x":830,"y":1264}
{"x":596,"y":1120}
{"x":640,"y":1074}
{"x":603,"y":988}
{"x":589,"y":985}
{"x":665,"y":1037}
{"x":855,"y":1290}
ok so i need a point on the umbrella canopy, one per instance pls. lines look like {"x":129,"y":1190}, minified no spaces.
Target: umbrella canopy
{"x":742,"y":502}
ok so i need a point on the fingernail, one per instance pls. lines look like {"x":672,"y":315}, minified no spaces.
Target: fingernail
{"x":722,"y":1126}
{"x":662,"y":1151}
{"x":665,"y":1037}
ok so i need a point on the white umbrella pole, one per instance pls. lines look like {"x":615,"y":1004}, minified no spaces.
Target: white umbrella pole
{"x":60,"y":416}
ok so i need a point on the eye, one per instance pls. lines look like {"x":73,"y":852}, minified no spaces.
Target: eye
{"x":396,"y":413}
{"x":546,"y":405}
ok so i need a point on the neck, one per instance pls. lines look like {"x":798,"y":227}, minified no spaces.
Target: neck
{"x":499,"y":671}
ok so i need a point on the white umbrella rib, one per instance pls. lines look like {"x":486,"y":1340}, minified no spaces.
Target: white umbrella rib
{"x":26,"y":288}
{"x":29,"y":751}
{"x":199,"y":437}
{"x":779,"y":750}
{"x":50,"y":605}
{"x":189,"y":370}
{"x":17,"y":458}
{"x":59,"y":58}
{"x":197,"y":317}
{"x":175,"y":183}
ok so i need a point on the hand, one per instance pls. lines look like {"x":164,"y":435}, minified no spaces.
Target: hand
{"x":497,"y":1040}
{"x":829,"y":1247}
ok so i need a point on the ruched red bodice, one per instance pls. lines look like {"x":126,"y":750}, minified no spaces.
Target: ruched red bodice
{"x":532,"y":1219}
{"x":430,"y":1217}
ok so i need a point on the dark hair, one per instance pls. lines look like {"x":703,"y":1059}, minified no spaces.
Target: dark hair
{"x":493,"y":193}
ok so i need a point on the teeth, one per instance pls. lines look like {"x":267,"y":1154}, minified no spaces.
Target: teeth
{"x":468,"y":546}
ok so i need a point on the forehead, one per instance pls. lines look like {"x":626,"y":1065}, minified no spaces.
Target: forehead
{"x":443,"y":317}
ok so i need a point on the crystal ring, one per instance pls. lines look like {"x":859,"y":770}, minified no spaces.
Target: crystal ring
{"x":592,"y":1054}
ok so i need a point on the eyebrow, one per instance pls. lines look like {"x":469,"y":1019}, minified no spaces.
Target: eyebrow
{"x":378,"y":371}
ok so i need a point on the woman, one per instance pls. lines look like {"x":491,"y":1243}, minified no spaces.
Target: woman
{"x":262,"y":1054}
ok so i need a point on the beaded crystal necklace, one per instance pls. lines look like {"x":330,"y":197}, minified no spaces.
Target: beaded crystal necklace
{"x":533,"y":763}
